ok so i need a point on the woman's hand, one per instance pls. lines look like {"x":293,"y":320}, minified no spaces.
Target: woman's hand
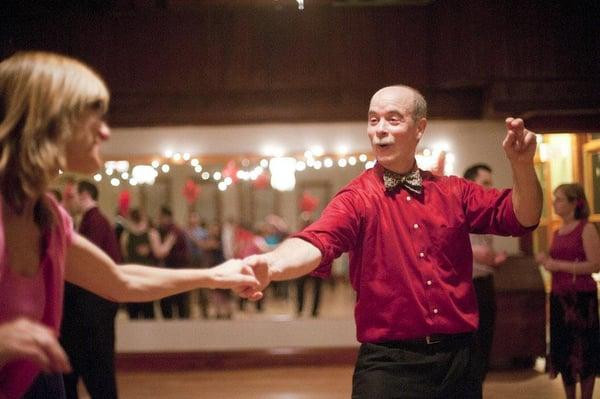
{"x":546,"y":261}
{"x":26,"y":339}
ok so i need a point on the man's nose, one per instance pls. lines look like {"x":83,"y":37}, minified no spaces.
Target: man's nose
{"x":381,"y":128}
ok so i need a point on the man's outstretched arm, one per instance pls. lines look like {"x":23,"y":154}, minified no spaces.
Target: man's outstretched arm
{"x":293,"y":258}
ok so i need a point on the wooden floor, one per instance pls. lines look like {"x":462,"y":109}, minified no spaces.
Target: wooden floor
{"x":305,"y":383}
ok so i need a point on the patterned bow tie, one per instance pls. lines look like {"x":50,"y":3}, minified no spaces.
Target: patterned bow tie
{"x":412,"y":181}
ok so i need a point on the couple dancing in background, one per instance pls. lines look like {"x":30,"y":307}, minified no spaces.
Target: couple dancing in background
{"x":407,"y":232}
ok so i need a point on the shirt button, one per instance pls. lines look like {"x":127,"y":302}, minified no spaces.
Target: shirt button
{"x":429,"y":282}
{"x":408,"y":198}
{"x":421,"y":254}
{"x":416,"y":226}
{"x":435,"y":311}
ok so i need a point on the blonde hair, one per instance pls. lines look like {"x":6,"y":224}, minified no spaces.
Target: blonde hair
{"x":42,"y":96}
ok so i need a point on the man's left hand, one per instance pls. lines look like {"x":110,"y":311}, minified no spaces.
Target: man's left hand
{"x":519,"y":143}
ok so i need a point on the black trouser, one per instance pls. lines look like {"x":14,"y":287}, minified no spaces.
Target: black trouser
{"x":400,"y":370}
{"x":46,"y":386}
{"x":486,"y":300}
{"x":180,"y":302}
{"x":88,"y":337}
{"x":300,"y":283}
{"x":140,"y":310}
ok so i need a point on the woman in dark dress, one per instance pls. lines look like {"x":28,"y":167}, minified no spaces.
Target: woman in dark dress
{"x":574,"y":256}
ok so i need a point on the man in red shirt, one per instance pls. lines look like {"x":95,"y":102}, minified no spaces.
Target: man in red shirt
{"x":407,"y":234}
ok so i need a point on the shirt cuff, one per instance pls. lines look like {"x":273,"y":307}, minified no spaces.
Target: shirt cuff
{"x":516,"y":228}
{"x":324,"y":268}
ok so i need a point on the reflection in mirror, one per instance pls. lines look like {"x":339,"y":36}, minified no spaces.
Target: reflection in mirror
{"x":249,"y":216}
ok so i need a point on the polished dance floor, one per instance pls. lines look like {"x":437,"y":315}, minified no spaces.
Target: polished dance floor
{"x":305,"y":383}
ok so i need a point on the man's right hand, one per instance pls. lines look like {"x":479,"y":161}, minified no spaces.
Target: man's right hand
{"x":26,"y":339}
{"x":260,"y":266}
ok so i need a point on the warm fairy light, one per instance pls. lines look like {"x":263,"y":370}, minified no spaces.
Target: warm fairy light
{"x":352,"y":161}
{"x":98,"y":177}
{"x":205,"y":175}
{"x":144,"y":174}
{"x":124,"y":175}
{"x":198,"y":168}
{"x":362,"y":158}
{"x":222,"y":186}
{"x":228,"y":180}
{"x":119,"y":166}
{"x":168,"y":153}
{"x":186,"y":156}
{"x":328,"y":162}
{"x":194,"y":162}
{"x":318,"y":165}
{"x":300,"y":166}
{"x":115,"y":182}
{"x":342,"y":162}
{"x":177,"y":157}
{"x":264,"y":163}
{"x":217,"y":176}
{"x":369,"y":164}
{"x":155,"y":164}
{"x":165,"y":168}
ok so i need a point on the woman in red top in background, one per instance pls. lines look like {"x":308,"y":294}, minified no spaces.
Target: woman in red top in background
{"x":574,"y":256}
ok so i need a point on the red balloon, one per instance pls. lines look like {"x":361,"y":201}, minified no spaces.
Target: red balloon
{"x":261,"y":182}
{"x":124,"y":202}
{"x":308,"y":202}
{"x":230,"y":171}
{"x":191,"y":191}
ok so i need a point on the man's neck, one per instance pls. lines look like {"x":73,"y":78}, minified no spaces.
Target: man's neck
{"x":402,"y":169}
{"x":87,"y":205}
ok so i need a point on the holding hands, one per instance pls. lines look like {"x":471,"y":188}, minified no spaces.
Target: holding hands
{"x":235,"y":274}
{"x":259,"y":264}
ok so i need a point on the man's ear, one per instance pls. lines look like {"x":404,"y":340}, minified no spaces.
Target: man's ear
{"x":421,"y":125}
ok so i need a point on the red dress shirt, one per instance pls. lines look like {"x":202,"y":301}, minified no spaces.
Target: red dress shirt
{"x":410,"y":255}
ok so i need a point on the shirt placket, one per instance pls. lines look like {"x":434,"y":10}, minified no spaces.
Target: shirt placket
{"x":421,"y":250}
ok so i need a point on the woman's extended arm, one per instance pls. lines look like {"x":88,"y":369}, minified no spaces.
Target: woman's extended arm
{"x":90,"y":268}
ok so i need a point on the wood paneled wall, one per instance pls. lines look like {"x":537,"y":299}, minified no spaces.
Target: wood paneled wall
{"x":207,"y":62}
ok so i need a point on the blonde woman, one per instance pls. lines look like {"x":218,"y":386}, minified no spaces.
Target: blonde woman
{"x":574,"y":327}
{"x":51,"y":110}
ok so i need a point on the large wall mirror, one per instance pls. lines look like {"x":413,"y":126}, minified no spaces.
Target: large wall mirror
{"x":250,"y":205}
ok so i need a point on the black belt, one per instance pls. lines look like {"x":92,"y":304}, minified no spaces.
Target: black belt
{"x":433,"y":339}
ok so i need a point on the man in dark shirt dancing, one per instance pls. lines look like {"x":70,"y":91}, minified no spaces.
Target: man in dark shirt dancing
{"x":88,"y":326}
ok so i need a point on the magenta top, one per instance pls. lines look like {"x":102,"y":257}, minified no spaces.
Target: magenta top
{"x":38,"y":298}
{"x":569,"y":247}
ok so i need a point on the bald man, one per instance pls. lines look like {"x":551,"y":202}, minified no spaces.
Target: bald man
{"x":407,"y":234}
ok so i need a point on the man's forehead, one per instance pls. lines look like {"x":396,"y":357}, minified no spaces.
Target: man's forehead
{"x":393,"y":97}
